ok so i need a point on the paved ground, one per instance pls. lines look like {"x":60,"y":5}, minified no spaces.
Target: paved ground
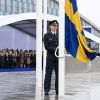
{"x":17,"y":86}
{"x":21,"y":86}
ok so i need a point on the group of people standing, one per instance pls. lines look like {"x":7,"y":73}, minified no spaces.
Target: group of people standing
{"x":10,"y":59}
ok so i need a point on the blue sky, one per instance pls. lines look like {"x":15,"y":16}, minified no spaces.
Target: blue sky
{"x":90,"y":9}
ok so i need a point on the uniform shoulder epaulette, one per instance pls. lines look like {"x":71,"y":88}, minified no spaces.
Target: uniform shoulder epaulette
{"x":48,"y":33}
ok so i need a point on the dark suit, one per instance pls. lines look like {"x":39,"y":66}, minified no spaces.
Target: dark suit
{"x":2,"y":60}
{"x":51,"y":43}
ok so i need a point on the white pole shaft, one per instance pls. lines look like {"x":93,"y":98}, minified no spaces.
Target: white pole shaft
{"x":45,"y":31}
{"x":39,"y":44}
{"x":61,"y":47}
{"x":99,"y":47}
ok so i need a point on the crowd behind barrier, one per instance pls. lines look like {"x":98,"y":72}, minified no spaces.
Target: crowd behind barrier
{"x":11,"y":59}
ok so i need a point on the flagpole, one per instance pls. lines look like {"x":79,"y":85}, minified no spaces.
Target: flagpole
{"x":44,"y":32}
{"x":39,"y":45}
{"x":61,"y":47}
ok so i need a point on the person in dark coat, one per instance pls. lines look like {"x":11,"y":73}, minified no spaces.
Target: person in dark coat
{"x":33,"y":59}
{"x":18,"y":59}
{"x":14,"y":60}
{"x":51,"y":43}
{"x":2,"y":59}
{"x":7,"y":60}
{"x":10,"y":60}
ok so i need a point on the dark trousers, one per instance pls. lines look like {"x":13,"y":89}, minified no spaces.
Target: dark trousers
{"x":49,"y":68}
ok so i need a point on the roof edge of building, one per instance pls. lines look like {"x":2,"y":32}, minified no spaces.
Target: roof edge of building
{"x":90,"y":22}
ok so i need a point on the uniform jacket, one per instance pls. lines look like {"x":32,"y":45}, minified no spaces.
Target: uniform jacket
{"x":50,"y":43}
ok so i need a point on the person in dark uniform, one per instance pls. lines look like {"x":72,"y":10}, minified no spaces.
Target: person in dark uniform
{"x":51,"y":43}
{"x":10,"y":58}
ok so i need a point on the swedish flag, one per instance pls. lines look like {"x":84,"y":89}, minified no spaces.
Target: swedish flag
{"x":75,"y":41}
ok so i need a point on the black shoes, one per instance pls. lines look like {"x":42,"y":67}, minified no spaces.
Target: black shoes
{"x":56,"y":93}
{"x":46,"y":93}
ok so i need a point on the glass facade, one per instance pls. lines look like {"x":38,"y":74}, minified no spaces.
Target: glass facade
{"x":22,"y":6}
{"x":17,"y":6}
{"x":53,"y":7}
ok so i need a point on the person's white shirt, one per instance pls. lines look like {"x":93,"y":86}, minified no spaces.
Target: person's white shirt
{"x":53,"y":32}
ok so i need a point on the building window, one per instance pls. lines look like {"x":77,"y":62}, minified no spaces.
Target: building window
{"x":20,"y":9}
{"x":14,"y":6}
{"x":19,"y":0}
{"x":56,"y":6}
{"x":24,"y":1}
{"x":1,"y":12}
{"x":49,"y":10}
{"x":2,"y":2}
{"x":25,"y":7}
{"x":52,"y":4}
{"x":7,"y":13}
{"x":2,"y":8}
{"x":14,"y":3}
{"x":14,"y":9}
{"x":95,"y":32}
{"x":34,"y":1}
{"x":2,"y":5}
{"x":29,"y":1}
{"x":8,"y":2}
{"x":8,"y":8}
{"x":20,"y":5}
{"x":57,"y":12}
{"x":53,"y":7}
{"x":31,"y":7}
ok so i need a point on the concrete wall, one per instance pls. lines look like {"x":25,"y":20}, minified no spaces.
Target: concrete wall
{"x":14,"y":39}
{"x":73,"y":65}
